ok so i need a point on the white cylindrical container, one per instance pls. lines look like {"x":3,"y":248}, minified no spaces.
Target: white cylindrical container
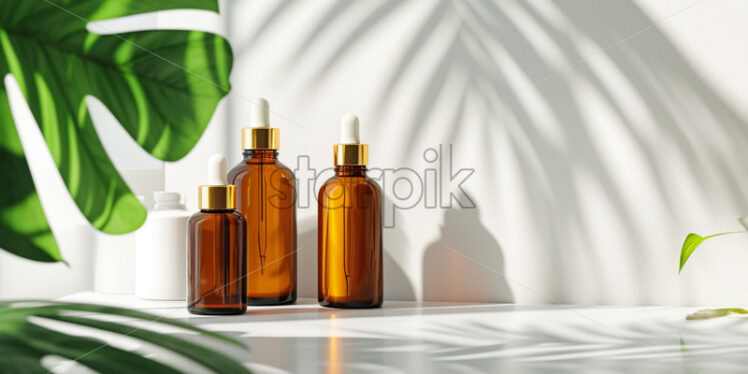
{"x":161,"y":250}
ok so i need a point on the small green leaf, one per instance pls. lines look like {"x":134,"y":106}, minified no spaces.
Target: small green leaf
{"x":692,"y":242}
{"x":714,"y":313}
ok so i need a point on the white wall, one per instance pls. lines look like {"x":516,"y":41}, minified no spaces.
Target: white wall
{"x":601,"y":133}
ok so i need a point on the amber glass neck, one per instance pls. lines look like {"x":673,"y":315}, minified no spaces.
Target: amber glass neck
{"x":350,"y":170}
{"x":260,"y":154}
{"x":216,"y":211}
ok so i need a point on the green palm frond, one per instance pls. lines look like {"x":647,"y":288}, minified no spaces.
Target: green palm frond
{"x":30,"y":330}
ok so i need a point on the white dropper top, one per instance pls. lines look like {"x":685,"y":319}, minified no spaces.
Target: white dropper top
{"x":259,"y":113}
{"x":349,"y":130}
{"x":217,"y":170}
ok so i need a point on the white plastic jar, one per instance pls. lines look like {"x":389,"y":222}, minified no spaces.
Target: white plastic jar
{"x":161,"y":250}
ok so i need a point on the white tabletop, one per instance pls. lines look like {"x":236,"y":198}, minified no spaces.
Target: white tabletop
{"x":414,"y":337}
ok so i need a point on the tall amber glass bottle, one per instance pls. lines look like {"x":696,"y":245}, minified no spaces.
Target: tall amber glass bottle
{"x":216,"y":267}
{"x":266,"y":199}
{"x":350,"y":228}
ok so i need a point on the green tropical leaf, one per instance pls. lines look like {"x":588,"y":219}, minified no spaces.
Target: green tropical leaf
{"x":162,"y":86}
{"x":714,"y":313}
{"x":692,"y":242}
{"x":24,"y":341}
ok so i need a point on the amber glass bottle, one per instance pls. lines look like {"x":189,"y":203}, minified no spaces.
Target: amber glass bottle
{"x":350,"y":229}
{"x":266,"y":199}
{"x":217,"y":258}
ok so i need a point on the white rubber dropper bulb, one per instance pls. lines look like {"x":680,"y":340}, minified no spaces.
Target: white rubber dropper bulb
{"x":259,"y":113}
{"x":349,"y":130}
{"x":217,"y":170}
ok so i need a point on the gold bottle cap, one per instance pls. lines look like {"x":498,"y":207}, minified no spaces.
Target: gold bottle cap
{"x":216,"y":197}
{"x":260,"y":138}
{"x":350,"y":151}
{"x":260,"y":135}
{"x":350,"y":154}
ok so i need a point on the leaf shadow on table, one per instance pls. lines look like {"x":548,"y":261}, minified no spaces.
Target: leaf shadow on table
{"x":581,"y":341}
{"x":596,"y":342}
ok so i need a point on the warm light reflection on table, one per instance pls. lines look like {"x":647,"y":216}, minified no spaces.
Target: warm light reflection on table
{"x":334,"y":355}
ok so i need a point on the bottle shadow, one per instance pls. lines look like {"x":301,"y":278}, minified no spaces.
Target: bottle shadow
{"x":466,"y":263}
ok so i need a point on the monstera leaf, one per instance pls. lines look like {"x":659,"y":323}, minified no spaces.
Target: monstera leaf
{"x":33,"y":330}
{"x":162,"y":86}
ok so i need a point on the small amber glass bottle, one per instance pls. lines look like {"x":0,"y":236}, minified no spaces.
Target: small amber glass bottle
{"x":350,"y":230}
{"x":266,"y":198}
{"x":217,"y":257}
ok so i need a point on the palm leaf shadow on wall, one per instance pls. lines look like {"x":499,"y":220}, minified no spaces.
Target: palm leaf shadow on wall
{"x":161,"y":85}
{"x":559,"y":47}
